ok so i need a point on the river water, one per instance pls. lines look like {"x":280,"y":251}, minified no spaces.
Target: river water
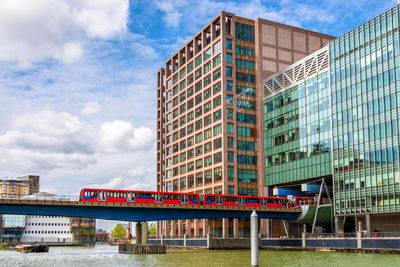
{"x":108,"y":256}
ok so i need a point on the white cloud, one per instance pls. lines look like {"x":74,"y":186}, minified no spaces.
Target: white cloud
{"x":288,"y":12}
{"x":172,"y":15}
{"x":102,"y":19}
{"x":42,"y":141}
{"x":35,"y":30}
{"x":91,"y":108}
{"x":119,"y":136}
{"x":72,"y":51}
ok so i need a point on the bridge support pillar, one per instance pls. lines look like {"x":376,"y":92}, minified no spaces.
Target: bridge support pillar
{"x":339,"y":226}
{"x":263,"y":226}
{"x":225,"y":228}
{"x":368,"y":223}
{"x":209,"y":240}
{"x":180,"y":228}
{"x":196,"y":227}
{"x":187,"y":228}
{"x":205,"y":227}
{"x":235,"y":228}
{"x":173,"y":228}
{"x":145,"y":232}
{"x":138,"y":233}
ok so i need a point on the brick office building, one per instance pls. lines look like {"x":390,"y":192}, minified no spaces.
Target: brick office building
{"x":210,"y":112}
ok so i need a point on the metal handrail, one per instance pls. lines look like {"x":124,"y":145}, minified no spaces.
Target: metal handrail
{"x":39,"y":197}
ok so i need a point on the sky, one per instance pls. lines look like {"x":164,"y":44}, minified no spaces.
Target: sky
{"x":78,"y":79}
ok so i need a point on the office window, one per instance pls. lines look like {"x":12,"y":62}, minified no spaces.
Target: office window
{"x":228,"y":58}
{"x":231,"y":190}
{"x":228,"y":44}
{"x":229,"y":85}
{"x":228,"y":72}
{"x":231,"y":174}
{"x":229,"y":127}
{"x":231,"y":156}
{"x":198,"y":61}
{"x":217,"y":174}
{"x":216,"y":48}
{"x":216,"y":74}
{"x":208,"y":177}
{"x":199,"y":179}
{"x":216,"y":61}
{"x":217,"y":130}
{"x":207,"y":147}
{"x":217,"y":115}
{"x":229,"y":99}
{"x":229,"y":113}
{"x":217,"y":88}
{"x":230,"y":141}
{"x":207,"y":161}
{"x":207,"y":54}
{"x":244,"y":32}
{"x":217,"y":102}
{"x":207,"y":94}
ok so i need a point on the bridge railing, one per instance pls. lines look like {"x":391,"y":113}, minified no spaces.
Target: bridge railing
{"x":39,"y":197}
{"x":312,"y":202}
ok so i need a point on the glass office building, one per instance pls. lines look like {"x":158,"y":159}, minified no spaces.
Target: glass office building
{"x":297,"y":132}
{"x":365,"y":84}
{"x":353,"y":136}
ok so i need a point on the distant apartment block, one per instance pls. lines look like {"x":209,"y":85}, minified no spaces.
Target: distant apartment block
{"x":19,"y":187}
{"x":210,"y":112}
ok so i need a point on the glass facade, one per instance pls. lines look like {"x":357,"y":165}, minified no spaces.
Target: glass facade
{"x":297,"y":142}
{"x":246,"y":110}
{"x":365,"y":84}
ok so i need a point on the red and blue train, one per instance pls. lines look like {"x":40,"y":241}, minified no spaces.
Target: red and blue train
{"x":125,"y":196}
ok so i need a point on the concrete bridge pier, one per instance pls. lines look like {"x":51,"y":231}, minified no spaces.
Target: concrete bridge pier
{"x":142,"y":235}
{"x":138,"y":232}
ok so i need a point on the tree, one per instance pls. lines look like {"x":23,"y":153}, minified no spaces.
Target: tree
{"x":119,"y":231}
{"x":152,"y":229}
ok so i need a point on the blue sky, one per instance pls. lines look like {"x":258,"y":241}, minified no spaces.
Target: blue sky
{"x":77,"y":79}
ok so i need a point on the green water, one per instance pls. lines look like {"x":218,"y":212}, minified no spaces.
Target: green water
{"x":108,"y":256}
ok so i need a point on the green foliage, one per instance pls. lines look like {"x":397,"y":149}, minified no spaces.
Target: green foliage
{"x":119,"y":231}
{"x":152,"y":229}
{"x":3,"y":246}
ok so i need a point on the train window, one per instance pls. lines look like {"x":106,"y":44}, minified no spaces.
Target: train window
{"x":86,"y":193}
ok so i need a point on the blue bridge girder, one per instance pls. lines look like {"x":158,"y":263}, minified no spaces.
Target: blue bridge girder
{"x":139,"y":212}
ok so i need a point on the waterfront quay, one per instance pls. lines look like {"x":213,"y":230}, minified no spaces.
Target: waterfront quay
{"x":105,"y":255}
{"x":349,"y":242}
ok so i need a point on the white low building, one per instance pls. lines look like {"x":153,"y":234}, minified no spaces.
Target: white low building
{"x":47,"y":229}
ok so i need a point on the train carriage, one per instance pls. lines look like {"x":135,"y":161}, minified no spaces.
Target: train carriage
{"x":125,"y":196}
{"x":246,"y":201}
{"x":128,"y":196}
